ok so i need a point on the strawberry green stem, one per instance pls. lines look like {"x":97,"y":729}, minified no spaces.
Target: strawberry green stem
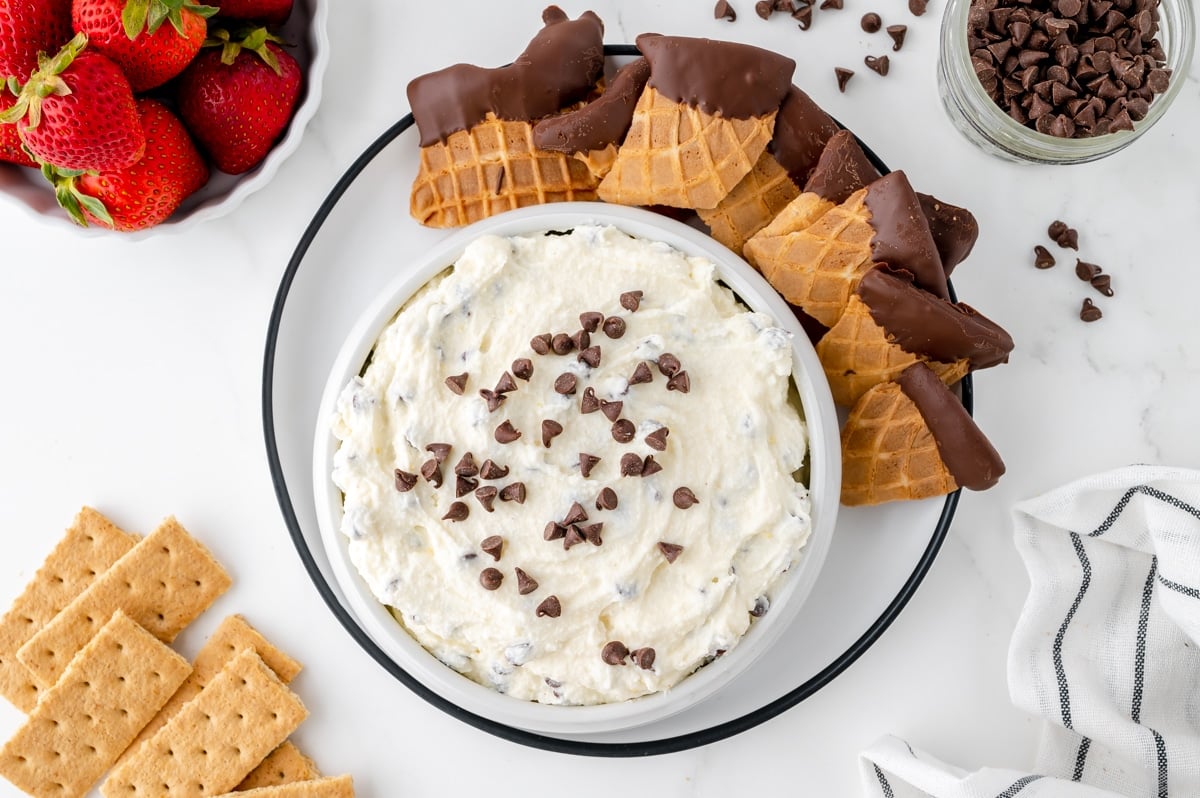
{"x":149,"y":15}
{"x":45,"y":81}
{"x":252,"y":39}
{"x":72,"y":200}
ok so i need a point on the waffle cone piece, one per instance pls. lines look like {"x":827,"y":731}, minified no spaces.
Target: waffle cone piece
{"x":752,"y":204}
{"x":490,"y":168}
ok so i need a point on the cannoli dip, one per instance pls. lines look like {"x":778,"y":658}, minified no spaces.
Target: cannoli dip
{"x":570,"y":466}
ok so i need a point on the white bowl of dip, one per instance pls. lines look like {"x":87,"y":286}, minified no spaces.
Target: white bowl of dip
{"x":786,"y":595}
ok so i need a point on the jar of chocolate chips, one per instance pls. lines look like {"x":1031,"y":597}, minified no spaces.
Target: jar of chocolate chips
{"x":1062,"y":81}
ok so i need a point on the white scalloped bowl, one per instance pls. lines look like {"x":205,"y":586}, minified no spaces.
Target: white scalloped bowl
{"x":824,"y":478}
{"x":306,"y":30}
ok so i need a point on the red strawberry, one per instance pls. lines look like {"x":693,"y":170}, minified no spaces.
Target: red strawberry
{"x":10,"y":147}
{"x":28,"y":27}
{"x":269,"y":12}
{"x":147,"y":192}
{"x":132,"y":34}
{"x":238,"y":100}
{"x":76,"y":111}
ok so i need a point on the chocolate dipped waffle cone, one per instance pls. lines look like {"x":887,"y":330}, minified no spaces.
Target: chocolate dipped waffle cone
{"x":912,"y":439}
{"x":954,"y":230}
{"x":841,"y":169}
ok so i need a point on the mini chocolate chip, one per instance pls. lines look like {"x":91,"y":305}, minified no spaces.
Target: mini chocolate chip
{"x":897,"y":32}
{"x":565,"y":383}
{"x":405,"y":481}
{"x":506,"y":383}
{"x":1069,"y":8}
{"x":486,"y":496}
{"x":457,"y":383}
{"x":432,"y":471}
{"x":590,"y":321}
{"x":1069,"y":239}
{"x":561,"y":344}
{"x":439,"y":450}
{"x":586,"y":463}
{"x":575,"y":514}
{"x":457,"y":511}
{"x":917,"y":7}
{"x":466,"y":466}
{"x":607,"y":500}
{"x":554,"y":531}
{"x":490,"y":578}
{"x":611,"y":410}
{"x":1089,"y":311}
{"x":803,"y":16}
{"x":550,"y":607}
{"x":591,"y":356}
{"x":670,"y":550}
{"x":614,"y":327}
{"x":836,"y":5}
{"x":582,"y":340}
{"x":684,"y":498}
{"x":650,"y":466}
{"x":551,"y":429}
{"x":489,"y":470}
{"x":623,"y":430}
{"x":641,"y":373}
{"x":1042,"y":257}
{"x":761,"y":605}
{"x":493,"y":399}
{"x":644,"y":657}
{"x":526,"y":584}
{"x":540,"y":344}
{"x":784,"y":6}
{"x":871,"y":22}
{"x":657,"y":440}
{"x":843,"y":77}
{"x":763,"y":8}
{"x":1103,"y":284}
{"x":464,"y":485}
{"x":631,"y":465}
{"x":631,"y":300}
{"x":680,"y":382}
{"x":1086,"y":271}
{"x":522,"y":368}
{"x":591,"y":533}
{"x":614,"y":653}
{"x":589,"y":403}
{"x":493,"y":545}
{"x":1056,"y":229}
{"x":668,"y":364}
{"x":513,"y":493}
{"x":507,"y":433}
{"x":573,"y":537}
{"x":880,"y":64}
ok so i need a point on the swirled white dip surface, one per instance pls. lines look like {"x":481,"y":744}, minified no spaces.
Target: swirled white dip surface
{"x":735,"y":440}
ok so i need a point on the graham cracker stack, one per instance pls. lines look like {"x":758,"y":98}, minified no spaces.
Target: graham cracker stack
{"x":284,"y":765}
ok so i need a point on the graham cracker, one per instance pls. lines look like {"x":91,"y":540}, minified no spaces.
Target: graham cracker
{"x":284,"y":765}
{"x":163,"y":583}
{"x":90,"y":546}
{"x":111,"y":688}
{"x":218,"y":737}
{"x":232,"y":637}
{"x":337,"y":787}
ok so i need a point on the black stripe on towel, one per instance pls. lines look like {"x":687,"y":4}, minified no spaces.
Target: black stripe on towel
{"x":883,"y":783}
{"x":1081,"y":758}
{"x":1146,"y":490}
{"x":1191,"y":592}
{"x":1019,"y":785}
{"x":1160,"y":748}
{"x":1139,"y":656}
{"x":1064,"y":691}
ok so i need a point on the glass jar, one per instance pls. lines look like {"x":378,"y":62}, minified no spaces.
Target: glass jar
{"x":986,"y":124}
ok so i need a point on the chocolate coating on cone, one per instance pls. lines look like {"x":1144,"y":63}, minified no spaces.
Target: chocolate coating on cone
{"x":920,"y":323}
{"x":734,"y":80}
{"x":902,"y":239}
{"x":801,"y":132}
{"x":559,"y":67}
{"x":967,"y":453}
{"x":842,"y":169}
{"x":601,"y":122}
{"x":954,"y":230}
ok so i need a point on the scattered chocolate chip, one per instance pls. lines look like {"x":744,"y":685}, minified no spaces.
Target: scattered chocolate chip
{"x":492,"y":545}
{"x":680,"y":382}
{"x":761,"y":605}
{"x":554,"y":531}
{"x":551,"y":429}
{"x":668,"y":364}
{"x":590,"y":356}
{"x":432,"y":471}
{"x":586,"y":463}
{"x":591,"y":533}
{"x":1089,"y":311}
{"x":489,"y":470}
{"x":573,"y":537}
{"x":486,"y":496}
{"x":880,"y":64}
{"x":897,"y":32}
{"x":763,"y":8}
{"x":506,"y":383}
{"x":641,"y":374}
{"x":614,"y":327}
{"x":490,"y":578}
{"x":684,"y":498}
{"x":540,"y":344}
{"x":650,"y":466}
{"x":589,"y":403}
{"x":803,"y":16}
{"x":507,"y":433}
{"x":405,"y":481}
{"x":843,"y":77}
{"x":785,"y":6}
{"x":1103,"y":284}
{"x":607,"y":500}
{"x":836,"y":5}
{"x":623,"y":430}
{"x":581,"y":340}
{"x":644,"y":657}
{"x":463,"y":486}
{"x":522,"y":368}
{"x":657,"y":440}
{"x":457,"y":383}
{"x":513,"y":493}
{"x":591,"y":320}
{"x":631,"y":300}
{"x":457,"y":511}
{"x":565,"y":383}
{"x":466,"y":466}
{"x":439,"y":450}
{"x":631,"y":465}
{"x":1086,"y":271}
{"x":670,"y":550}
{"x":1042,"y":258}
{"x":1069,"y":239}
{"x":561,"y":344}
{"x":1056,"y":229}
{"x":550,"y":607}
{"x":611,"y":410}
{"x":526,"y":584}
{"x":614,"y":653}
{"x":493,"y":399}
{"x":575,"y":514}
{"x":871,"y":22}
{"x":917,"y":7}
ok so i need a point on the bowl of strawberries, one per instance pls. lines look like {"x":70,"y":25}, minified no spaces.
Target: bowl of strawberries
{"x":127,"y":115}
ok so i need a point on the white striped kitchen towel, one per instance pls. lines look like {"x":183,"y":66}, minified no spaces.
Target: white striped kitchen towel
{"x":1107,"y":649}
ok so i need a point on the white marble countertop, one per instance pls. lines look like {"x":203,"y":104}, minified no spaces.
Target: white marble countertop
{"x":134,"y":377}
